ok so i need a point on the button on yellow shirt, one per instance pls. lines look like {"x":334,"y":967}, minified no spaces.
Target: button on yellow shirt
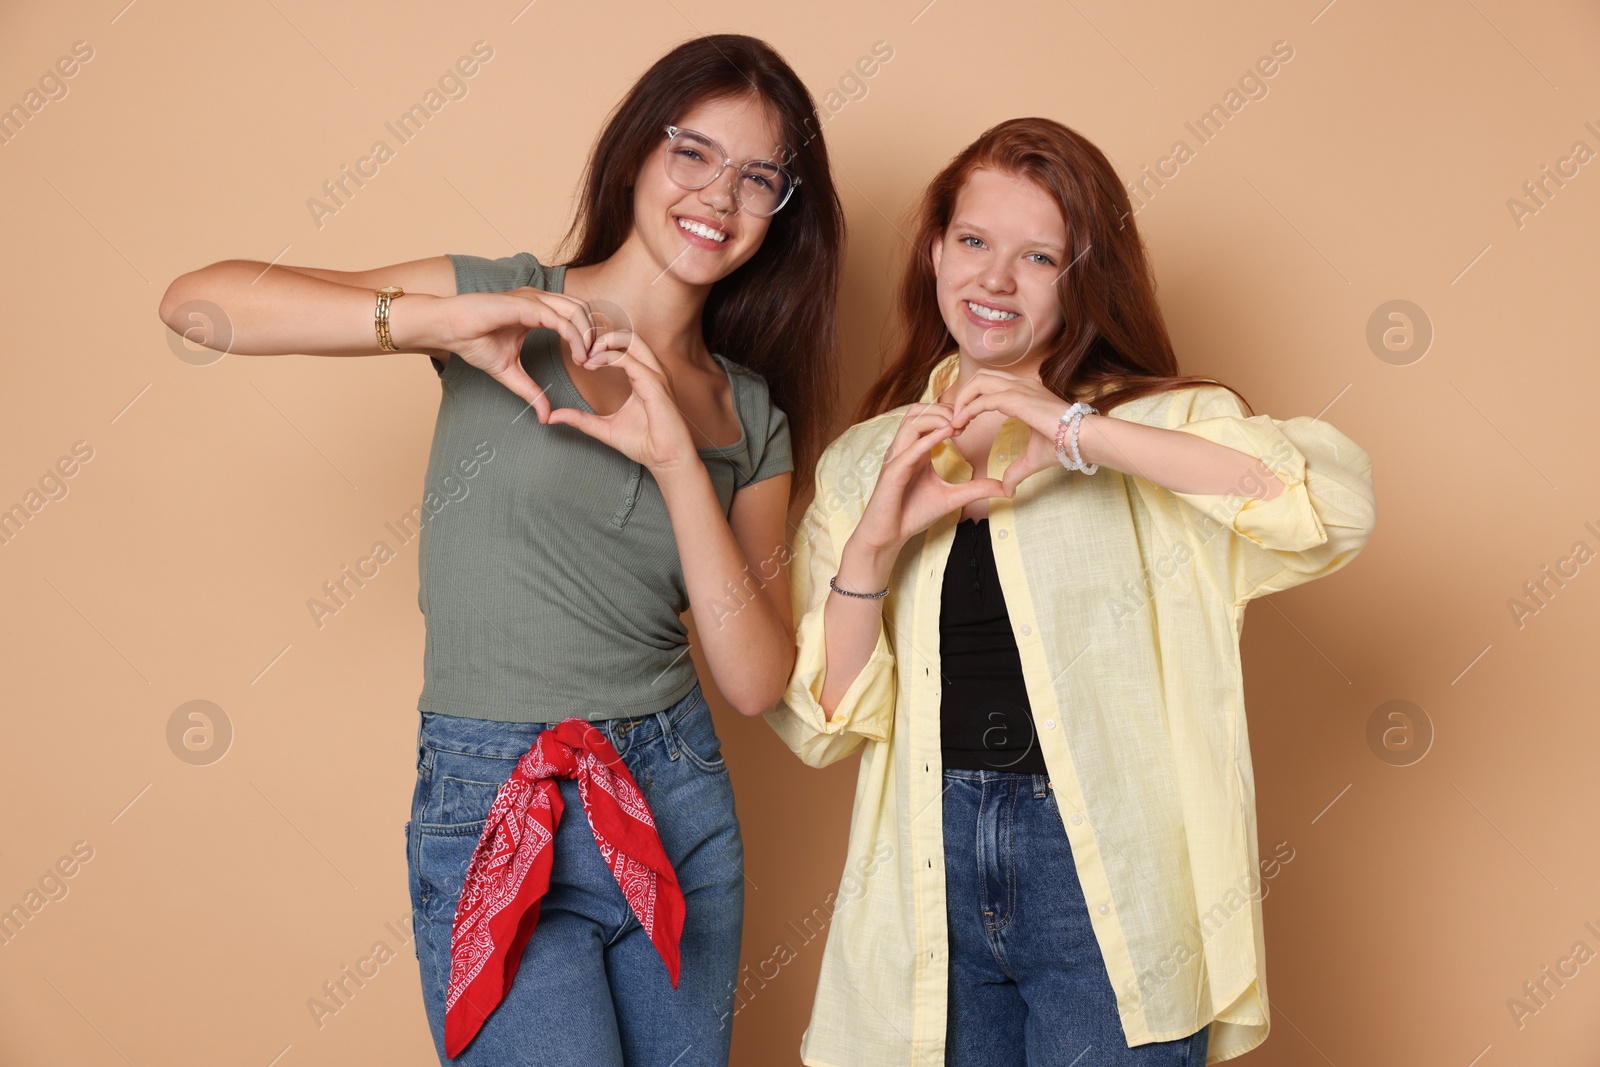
{"x":1126,"y":601}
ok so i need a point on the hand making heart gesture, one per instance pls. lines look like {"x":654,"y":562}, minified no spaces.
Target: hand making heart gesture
{"x":488,"y":331}
{"x":910,"y":495}
{"x":1026,"y":399}
{"x":649,"y":428}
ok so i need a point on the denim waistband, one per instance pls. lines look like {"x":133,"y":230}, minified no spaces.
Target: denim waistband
{"x":1038,"y":783}
{"x":509,"y":740}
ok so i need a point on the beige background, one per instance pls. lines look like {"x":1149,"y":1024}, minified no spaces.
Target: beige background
{"x":219,"y":498}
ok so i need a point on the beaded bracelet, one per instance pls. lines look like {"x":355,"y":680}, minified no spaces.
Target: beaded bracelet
{"x":1069,"y":422}
{"x":832,"y":584}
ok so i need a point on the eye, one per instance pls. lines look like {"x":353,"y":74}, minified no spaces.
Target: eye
{"x":1041,"y":259}
{"x":689,"y":153}
{"x":976,"y":242}
{"x":761,"y":181}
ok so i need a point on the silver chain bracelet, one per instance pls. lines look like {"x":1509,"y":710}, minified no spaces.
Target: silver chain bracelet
{"x":834,"y":585}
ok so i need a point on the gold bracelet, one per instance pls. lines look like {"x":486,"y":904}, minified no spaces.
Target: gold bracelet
{"x":380,"y":316}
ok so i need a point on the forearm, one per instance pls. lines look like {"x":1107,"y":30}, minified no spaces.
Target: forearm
{"x":852,"y":624}
{"x":748,"y":647}
{"x":1180,"y":462}
{"x":280,"y":310}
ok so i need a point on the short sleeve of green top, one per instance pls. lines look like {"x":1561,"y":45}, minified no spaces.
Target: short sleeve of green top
{"x":551,"y":584}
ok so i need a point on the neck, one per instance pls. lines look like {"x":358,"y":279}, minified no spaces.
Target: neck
{"x":664,"y":310}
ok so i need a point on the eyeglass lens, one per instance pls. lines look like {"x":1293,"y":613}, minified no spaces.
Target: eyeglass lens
{"x":694,"y":161}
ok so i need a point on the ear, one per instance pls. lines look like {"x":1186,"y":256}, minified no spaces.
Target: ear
{"x":936,"y":253}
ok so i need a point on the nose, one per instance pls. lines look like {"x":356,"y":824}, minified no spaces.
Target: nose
{"x":718,"y":196}
{"x":998,"y":277}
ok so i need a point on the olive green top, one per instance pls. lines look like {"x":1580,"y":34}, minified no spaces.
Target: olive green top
{"x":551,"y":583}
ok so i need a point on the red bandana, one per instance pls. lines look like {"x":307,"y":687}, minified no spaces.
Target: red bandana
{"x":510,"y":869}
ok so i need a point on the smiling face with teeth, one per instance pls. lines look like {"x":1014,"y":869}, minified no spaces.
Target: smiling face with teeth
{"x":699,"y":236}
{"x":996,"y":267}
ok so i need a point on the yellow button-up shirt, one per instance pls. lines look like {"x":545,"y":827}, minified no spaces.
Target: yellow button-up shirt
{"x":1126,"y":601}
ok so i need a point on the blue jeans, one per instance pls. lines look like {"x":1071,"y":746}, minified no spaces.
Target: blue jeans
{"x":1028,"y":984}
{"x":592,"y":988}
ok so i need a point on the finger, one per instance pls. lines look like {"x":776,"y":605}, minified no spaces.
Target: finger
{"x":629,"y":341}
{"x":984,"y":488}
{"x":975,"y":405}
{"x":916,"y":424}
{"x":516,"y":379}
{"x":579,"y":314}
{"x":605,"y":348}
{"x":959,"y":415}
{"x":979,"y":386}
{"x":977,"y":489}
{"x":916,"y":419}
{"x":561,"y":302}
{"x":610,"y":346}
{"x":567,"y":307}
{"x":558,"y":298}
{"x":1020,"y":470}
{"x":913,"y":432}
{"x":919,"y":448}
{"x":538,"y":313}
{"x":591,"y":424}
{"x":985,"y":382}
{"x":901,"y":467}
{"x":648,"y":383}
{"x":919,"y":410}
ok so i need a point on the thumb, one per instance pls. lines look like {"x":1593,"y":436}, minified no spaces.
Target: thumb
{"x":1023,"y":468}
{"x":979,"y":489}
{"x":576,"y":418}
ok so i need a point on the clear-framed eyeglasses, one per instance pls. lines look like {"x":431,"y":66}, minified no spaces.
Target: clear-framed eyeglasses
{"x":693,"y":161}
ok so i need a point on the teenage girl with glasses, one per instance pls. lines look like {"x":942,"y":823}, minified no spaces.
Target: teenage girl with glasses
{"x":614,"y":439}
{"x":1019,"y":593}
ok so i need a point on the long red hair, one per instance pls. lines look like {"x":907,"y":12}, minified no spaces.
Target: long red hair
{"x":1113,"y":346}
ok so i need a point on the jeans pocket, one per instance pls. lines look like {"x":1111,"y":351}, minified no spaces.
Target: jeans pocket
{"x":453,"y":805}
{"x":459,"y":791}
{"x":460,"y":805}
{"x":698,"y":741}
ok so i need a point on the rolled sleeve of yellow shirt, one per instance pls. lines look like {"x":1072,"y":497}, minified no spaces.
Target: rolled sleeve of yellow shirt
{"x":866,"y":710}
{"x":1323,"y":517}
{"x":1126,"y":601}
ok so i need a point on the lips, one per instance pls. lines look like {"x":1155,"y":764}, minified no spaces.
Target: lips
{"x":989,"y":316}
{"x":702,"y":232}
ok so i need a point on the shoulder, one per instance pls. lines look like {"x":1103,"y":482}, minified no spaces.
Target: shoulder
{"x":768,"y":450}
{"x":479,"y":274}
{"x":752,"y":396}
{"x":854,"y":458}
{"x":751,"y":382}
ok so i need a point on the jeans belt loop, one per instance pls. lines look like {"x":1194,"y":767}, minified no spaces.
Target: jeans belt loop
{"x":614,"y":731}
{"x":667,"y":734}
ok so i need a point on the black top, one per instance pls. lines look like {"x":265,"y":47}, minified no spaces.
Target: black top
{"x":985,"y":720}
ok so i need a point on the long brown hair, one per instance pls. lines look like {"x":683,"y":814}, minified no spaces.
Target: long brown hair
{"x":1113,"y":345}
{"x":776,"y":314}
